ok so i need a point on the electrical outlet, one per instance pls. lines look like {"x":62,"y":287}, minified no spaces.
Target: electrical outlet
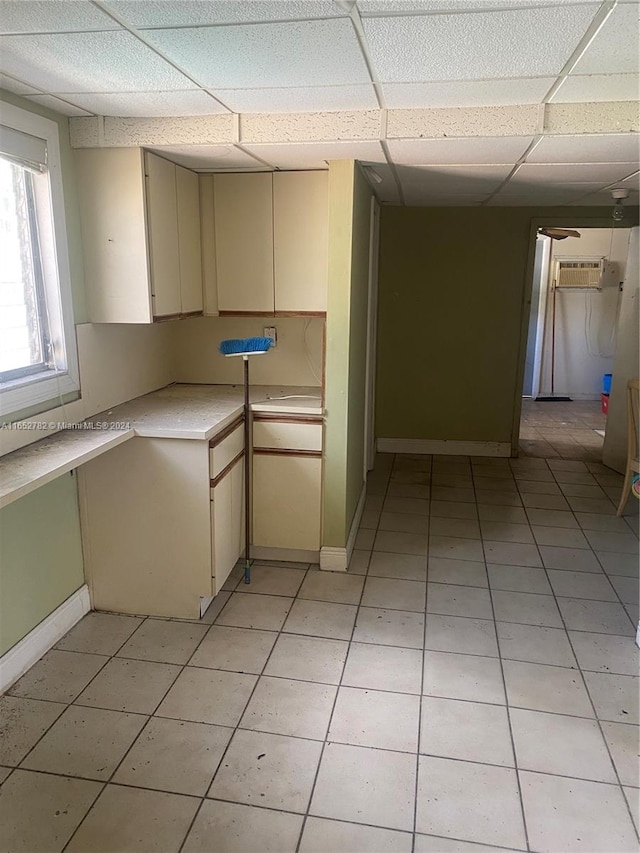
{"x":270,"y":332}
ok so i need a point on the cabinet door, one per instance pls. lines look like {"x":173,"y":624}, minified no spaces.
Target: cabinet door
{"x":244,"y":242}
{"x":227,"y":523}
{"x":300,"y":237}
{"x":188,"y":204}
{"x":111,"y":193}
{"x":286,"y":501}
{"x":162,"y":222}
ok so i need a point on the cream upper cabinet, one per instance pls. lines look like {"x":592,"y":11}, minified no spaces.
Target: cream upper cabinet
{"x":300,"y":240}
{"x":162,"y":220}
{"x":265,"y":242}
{"x":243,"y":211}
{"x":141,"y":235}
{"x":188,"y":204}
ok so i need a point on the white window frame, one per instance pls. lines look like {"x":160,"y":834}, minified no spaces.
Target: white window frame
{"x":47,"y":386}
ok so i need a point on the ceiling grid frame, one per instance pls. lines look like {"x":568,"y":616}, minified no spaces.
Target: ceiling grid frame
{"x":313,"y":136}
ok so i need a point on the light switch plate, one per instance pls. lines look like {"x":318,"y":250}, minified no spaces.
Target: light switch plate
{"x":270,"y":332}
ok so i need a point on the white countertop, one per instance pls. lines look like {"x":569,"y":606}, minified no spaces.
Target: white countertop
{"x":177,"y":411}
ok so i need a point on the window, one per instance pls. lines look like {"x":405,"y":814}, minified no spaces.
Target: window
{"x":38,"y":361}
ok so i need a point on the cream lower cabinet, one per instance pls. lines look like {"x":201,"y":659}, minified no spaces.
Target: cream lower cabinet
{"x":160,"y":531}
{"x":287,"y":484}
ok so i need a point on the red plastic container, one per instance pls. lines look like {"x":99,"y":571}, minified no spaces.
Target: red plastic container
{"x":604,"y":400}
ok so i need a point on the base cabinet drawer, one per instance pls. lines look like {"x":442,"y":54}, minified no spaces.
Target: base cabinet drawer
{"x":227,"y":524}
{"x":286,"y":501}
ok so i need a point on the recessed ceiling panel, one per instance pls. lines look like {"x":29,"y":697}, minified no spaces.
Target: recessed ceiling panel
{"x":88,"y":62}
{"x":493,"y":150}
{"x":308,"y":99}
{"x":544,"y":191}
{"x":312,"y":53}
{"x":481,"y":45}
{"x":208,"y":157}
{"x":419,"y":197}
{"x":605,"y":173}
{"x":58,"y":105}
{"x":632,"y":182}
{"x":595,"y":148}
{"x":466,"y":93}
{"x":615,"y":48}
{"x":168,"y":13}
{"x":598,"y":87}
{"x":52,"y":16}
{"x":146,"y":104}
{"x":314,"y":155}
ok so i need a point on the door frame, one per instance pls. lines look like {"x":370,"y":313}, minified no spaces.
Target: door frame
{"x":564,"y":220}
{"x":372,"y":336}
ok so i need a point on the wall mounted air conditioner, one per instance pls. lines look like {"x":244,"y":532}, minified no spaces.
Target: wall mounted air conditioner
{"x":585,"y":273}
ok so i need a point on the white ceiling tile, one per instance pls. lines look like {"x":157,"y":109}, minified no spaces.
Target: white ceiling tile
{"x":632,"y":182}
{"x":308,"y":99}
{"x":491,"y":150}
{"x":314,"y":155}
{"x":390,"y":7}
{"x":58,"y":105}
{"x":466,"y":93}
{"x":418,"y":197}
{"x":146,"y":104}
{"x":598,"y":87}
{"x":16,"y":86}
{"x":52,"y":16}
{"x":207,"y":157}
{"x":604,"y":199}
{"x":605,"y":173}
{"x":596,"y":148}
{"x":345,"y":126}
{"x":460,"y":180}
{"x":468,"y":46}
{"x":543,"y":191}
{"x":168,"y":13}
{"x":312,"y":53}
{"x":87,"y":62}
{"x":615,"y":48}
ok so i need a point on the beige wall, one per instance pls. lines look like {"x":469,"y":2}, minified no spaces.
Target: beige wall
{"x":453,"y":294}
{"x":296,"y":360}
{"x":349,"y":211}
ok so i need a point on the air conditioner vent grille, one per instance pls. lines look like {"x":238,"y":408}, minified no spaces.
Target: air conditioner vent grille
{"x":579,"y":274}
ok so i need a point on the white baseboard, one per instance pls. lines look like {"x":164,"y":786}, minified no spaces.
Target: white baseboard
{"x":44,"y":636}
{"x":337,"y":559}
{"x":333,"y":559}
{"x":444,"y":447}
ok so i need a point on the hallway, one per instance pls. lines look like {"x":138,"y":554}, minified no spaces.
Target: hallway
{"x":471,"y":680}
{"x":557,"y":430}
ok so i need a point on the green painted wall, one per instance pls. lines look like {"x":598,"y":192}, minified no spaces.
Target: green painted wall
{"x":349,"y":210}
{"x":40,"y":557}
{"x":40,"y":546}
{"x":454,"y":287}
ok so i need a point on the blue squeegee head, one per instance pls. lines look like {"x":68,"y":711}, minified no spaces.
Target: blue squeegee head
{"x":240,"y":345}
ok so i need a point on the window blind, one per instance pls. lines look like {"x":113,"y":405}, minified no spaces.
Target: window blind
{"x":23,"y":149}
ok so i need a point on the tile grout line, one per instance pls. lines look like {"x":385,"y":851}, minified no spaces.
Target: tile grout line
{"x":344,"y":666}
{"x":507,"y":707}
{"x":596,"y":717}
{"x":423,"y":665}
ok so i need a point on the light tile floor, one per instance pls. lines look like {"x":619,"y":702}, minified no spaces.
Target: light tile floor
{"x":470,"y":684}
{"x":562,"y":430}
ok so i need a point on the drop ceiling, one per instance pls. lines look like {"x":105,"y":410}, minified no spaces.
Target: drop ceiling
{"x":450,"y":102}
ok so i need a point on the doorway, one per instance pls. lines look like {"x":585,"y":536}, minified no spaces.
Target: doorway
{"x":572,"y":328}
